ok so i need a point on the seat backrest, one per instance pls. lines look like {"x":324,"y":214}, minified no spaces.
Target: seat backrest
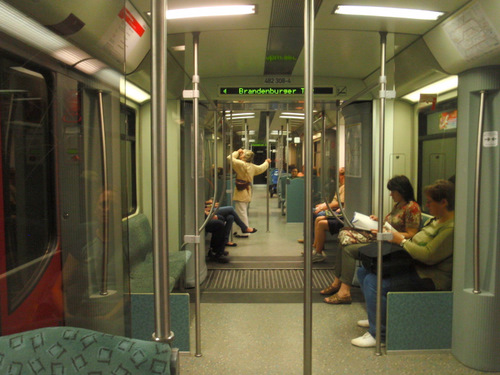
{"x":140,"y":238}
{"x":424,"y":218}
{"x":70,"y":350}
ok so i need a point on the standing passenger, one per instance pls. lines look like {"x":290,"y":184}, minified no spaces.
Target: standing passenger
{"x":245,"y":171}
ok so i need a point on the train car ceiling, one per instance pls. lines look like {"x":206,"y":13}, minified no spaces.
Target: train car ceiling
{"x":266,"y":49}
{"x":102,"y":37}
{"x":468,"y":39}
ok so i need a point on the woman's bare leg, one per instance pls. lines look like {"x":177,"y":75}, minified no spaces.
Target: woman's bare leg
{"x":320,"y":234}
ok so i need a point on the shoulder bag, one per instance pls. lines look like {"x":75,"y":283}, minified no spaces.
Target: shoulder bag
{"x":395,"y":259}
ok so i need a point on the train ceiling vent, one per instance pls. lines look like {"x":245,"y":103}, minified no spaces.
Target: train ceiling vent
{"x":285,"y":40}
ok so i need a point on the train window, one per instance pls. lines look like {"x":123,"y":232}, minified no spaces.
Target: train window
{"x":129,"y":171}
{"x":27,"y":176}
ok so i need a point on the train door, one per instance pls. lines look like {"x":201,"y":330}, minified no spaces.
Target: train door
{"x":437,"y":144}
{"x":260,"y":152}
{"x":30,"y":258}
{"x":93,"y":271}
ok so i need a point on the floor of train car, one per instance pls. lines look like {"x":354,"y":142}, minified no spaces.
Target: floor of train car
{"x":268,"y":265}
{"x":252,"y":313}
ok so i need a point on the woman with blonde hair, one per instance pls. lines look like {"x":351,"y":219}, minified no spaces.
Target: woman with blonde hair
{"x":245,"y":172}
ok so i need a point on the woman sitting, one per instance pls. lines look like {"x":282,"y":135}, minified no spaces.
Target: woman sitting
{"x":405,"y":218}
{"x":432,"y":250}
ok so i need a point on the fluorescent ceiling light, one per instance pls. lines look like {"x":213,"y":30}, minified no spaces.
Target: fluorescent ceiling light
{"x":293,"y":114}
{"x":359,"y":10}
{"x":133,"y":92}
{"x":292,"y":117}
{"x":235,"y":115}
{"x":239,"y":117}
{"x":438,"y":87}
{"x":230,"y":10}
{"x":179,"y":48}
{"x":279,"y":132}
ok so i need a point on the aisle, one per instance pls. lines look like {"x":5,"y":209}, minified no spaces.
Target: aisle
{"x":281,"y":240}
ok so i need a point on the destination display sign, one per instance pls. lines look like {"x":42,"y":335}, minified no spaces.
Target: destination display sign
{"x":272,"y":90}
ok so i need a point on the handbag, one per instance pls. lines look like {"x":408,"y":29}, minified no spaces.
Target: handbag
{"x":395,"y":259}
{"x":241,"y":184}
{"x":351,"y":236}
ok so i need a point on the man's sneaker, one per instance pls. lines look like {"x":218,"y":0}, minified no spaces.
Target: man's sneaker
{"x":363,"y":323}
{"x":318,"y":257}
{"x":365,"y":341}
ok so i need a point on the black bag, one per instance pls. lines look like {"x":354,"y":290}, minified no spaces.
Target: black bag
{"x":395,"y":259}
{"x":242,"y":184}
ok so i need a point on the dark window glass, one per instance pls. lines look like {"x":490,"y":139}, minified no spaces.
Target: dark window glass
{"x":129,"y":169}
{"x":27,"y":176}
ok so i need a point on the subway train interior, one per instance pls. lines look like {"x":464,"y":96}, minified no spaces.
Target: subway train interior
{"x":124,"y":121}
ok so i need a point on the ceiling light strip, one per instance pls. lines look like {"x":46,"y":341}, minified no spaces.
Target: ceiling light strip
{"x":230,"y":10}
{"x":359,"y":10}
{"x":438,"y":87}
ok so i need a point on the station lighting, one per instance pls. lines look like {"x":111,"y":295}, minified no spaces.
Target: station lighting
{"x":438,"y":87}
{"x":229,"y":10}
{"x":359,"y":10}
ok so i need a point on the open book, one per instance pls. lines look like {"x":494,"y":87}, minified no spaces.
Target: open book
{"x":361,"y":221}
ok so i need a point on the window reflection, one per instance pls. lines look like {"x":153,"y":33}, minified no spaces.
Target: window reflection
{"x":27,"y":152}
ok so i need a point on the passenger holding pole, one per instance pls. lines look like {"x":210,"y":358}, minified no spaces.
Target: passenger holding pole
{"x":245,"y":172}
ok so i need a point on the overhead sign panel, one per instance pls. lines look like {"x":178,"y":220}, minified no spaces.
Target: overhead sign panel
{"x":272,"y":90}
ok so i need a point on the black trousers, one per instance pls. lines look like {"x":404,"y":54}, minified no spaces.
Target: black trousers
{"x":217,"y":242}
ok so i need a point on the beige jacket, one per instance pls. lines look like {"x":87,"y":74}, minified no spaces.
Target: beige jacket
{"x":245,"y":171}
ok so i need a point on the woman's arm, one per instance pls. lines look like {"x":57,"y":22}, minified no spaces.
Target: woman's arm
{"x":410,"y":232}
{"x":258,"y":169}
{"x":437,"y":249}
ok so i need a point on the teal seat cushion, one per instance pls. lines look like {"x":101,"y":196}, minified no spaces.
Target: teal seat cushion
{"x":69,"y":350}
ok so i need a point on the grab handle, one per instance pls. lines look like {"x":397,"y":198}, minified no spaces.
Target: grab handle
{"x":105,"y":229}
{"x":477,"y":194}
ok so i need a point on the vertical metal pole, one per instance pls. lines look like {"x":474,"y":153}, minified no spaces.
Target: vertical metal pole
{"x":196,"y":80}
{"x":287,"y":157}
{"x":159,"y":172}
{"x":477,"y":194}
{"x":268,"y":150}
{"x":105,"y":229}
{"x":383,"y":82}
{"x":308,"y":100}
{"x":322,"y":175}
{"x":216,"y":166}
{"x":337,"y":176}
{"x":245,"y":130}
{"x":231,"y":132}
{"x":287,"y":154}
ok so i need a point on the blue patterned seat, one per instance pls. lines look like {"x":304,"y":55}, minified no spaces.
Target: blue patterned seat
{"x":69,"y":350}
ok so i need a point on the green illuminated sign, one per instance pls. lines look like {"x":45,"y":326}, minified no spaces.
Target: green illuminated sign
{"x":272,"y":90}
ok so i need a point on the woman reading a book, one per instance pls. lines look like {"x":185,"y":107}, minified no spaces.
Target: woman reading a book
{"x":404,"y":218}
